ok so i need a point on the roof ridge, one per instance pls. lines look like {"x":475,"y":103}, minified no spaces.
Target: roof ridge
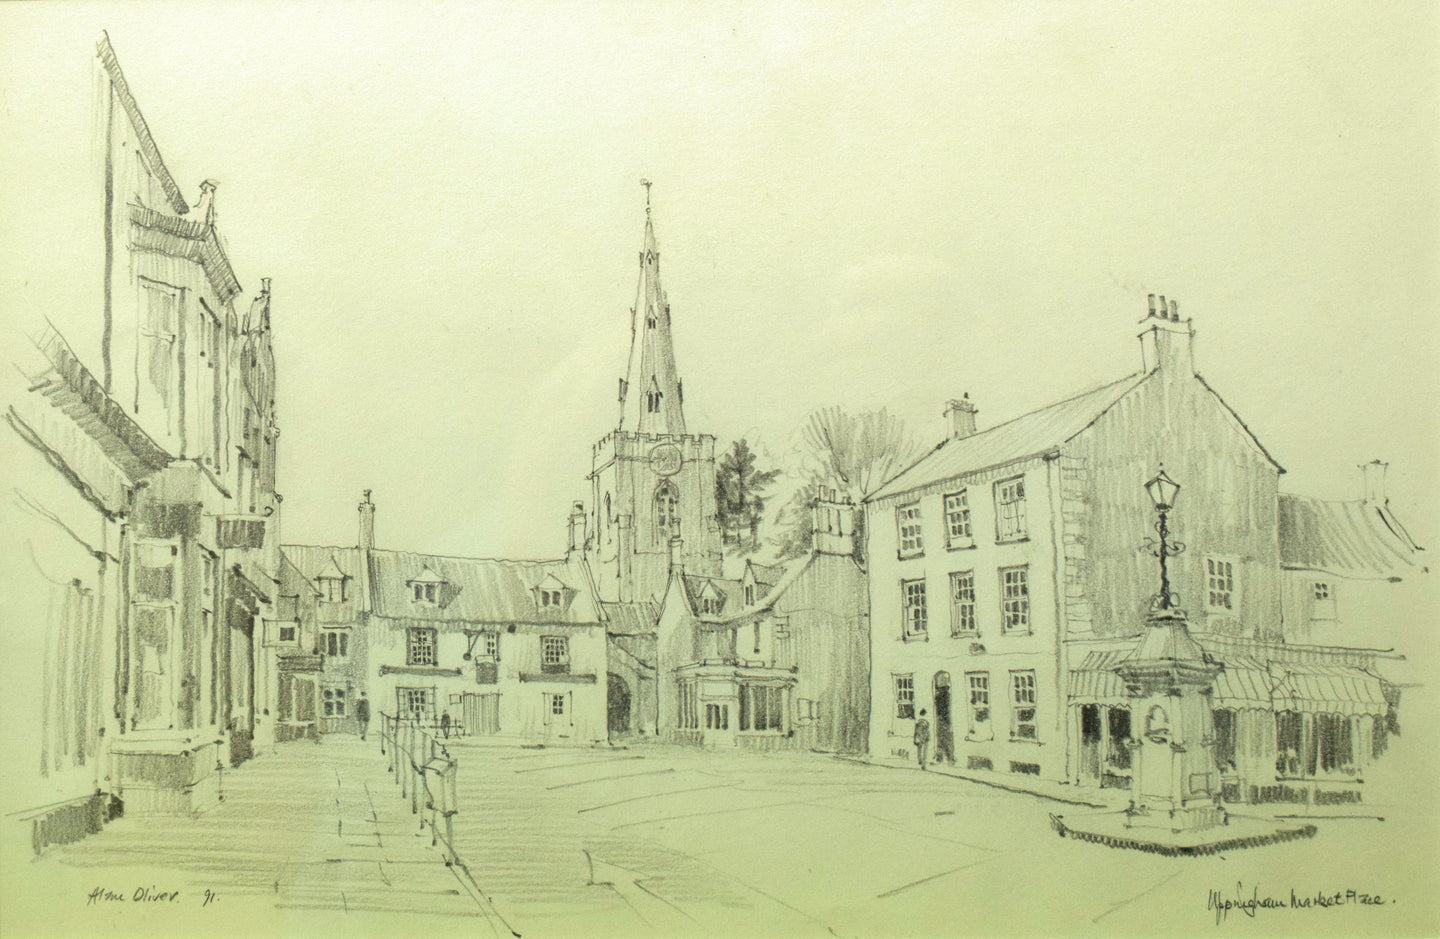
{"x":1054,"y":404}
{"x":465,"y":557}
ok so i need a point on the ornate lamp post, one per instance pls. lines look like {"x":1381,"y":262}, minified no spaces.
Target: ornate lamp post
{"x":1168,"y":678}
{"x":1163,"y":490}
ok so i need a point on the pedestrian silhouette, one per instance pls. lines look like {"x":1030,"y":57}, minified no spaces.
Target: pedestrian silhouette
{"x":362,"y":714}
{"x":922,"y":738}
{"x":445,"y":724}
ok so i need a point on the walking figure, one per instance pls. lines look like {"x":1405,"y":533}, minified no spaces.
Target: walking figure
{"x":362,"y":714}
{"x":922,"y":737}
{"x":445,"y":724}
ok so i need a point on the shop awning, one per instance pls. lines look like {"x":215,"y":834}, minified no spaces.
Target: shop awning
{"x":1250,"y":683}
{"x":1329,"y":689}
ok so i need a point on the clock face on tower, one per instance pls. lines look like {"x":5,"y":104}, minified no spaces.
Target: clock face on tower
{"x":665,"y":459}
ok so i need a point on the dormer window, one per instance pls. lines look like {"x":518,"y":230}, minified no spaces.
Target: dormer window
{"x":653,"y":396}
{"x":749,"y":594}
{"x":710,"y":601}
{"x":428,"y":588}
{"x":330,"y":583}
{"x":552,"y":595}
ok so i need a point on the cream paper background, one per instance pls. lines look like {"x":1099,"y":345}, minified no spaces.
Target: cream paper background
{"x":857,"y":204}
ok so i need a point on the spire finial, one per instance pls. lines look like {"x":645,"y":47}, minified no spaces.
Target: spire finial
{"x":647,"y":184}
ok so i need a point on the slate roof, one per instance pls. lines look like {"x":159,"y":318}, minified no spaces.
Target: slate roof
{"x":1029,"y":435}
{"x":1357,"y":539}
{"x":630,"y":618}
{"x":478,"y":590}
{"x":766,"y":574}
{"x":313,"y":560}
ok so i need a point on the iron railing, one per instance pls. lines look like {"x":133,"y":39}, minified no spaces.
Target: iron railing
{"x":425,"y":773}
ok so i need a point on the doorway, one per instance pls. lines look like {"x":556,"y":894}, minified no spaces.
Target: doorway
{"x":617,"y":700}
{"x":944,"y":729}
{"x":481,"y":713}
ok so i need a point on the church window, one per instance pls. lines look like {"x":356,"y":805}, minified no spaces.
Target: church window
{"x":667,"y":512}
{"x":652,"y":401}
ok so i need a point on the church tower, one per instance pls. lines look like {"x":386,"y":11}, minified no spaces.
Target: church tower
{"x":651,"y":482}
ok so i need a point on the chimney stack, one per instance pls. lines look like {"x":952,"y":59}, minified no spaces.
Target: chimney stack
{"x":264,"y":286}
{"x":577,"y":528}
{"x":960,"y":415}
{"x":367,"y":522}
{"x":834,"y":524}
{"x":1166,"y":340}
{"x":206,"y":207}
{"x":1375,"y":482}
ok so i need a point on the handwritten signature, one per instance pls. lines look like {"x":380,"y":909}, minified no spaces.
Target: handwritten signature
{"x":1252,"y":902}
{"x":101,"y":896}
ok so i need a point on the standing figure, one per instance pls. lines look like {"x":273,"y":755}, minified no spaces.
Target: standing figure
{"x":445,"y":724}
{"x":922,"y":737}
{"x":362,"y":714}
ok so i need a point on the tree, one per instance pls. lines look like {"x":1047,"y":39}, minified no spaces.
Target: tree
{"x":853,"y":453}
{"x":740,"y":496}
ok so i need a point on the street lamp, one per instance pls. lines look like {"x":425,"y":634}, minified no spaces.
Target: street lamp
{"x":1162,"y":490}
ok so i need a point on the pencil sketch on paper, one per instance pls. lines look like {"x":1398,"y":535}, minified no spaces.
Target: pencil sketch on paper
{"x":1103,"y":619}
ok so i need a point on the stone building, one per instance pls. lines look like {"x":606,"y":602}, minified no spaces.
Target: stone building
{"x":1008,"y":578}
{"x":142,"y":553}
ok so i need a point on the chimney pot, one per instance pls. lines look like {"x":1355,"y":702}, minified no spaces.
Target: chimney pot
{"x":367,"y":522}
{"x":1175,"y":311}
{"x":960,"y":414}
{"x":264,"y":286}
{"x":1375,"y":481}
{"x":1152,"y":304}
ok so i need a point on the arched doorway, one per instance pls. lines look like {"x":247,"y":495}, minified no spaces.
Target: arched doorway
{"x":944,"y":730}
{"x":617,"y":699}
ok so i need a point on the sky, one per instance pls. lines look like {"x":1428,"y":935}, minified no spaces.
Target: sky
{"x":865,"y":205}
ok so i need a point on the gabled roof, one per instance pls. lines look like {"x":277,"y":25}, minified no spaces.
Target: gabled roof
{"x":331,"y":571}
{"x":427,"y":576}
{"x":1359,"y":539}
{"x":480,"y":590}
{"x":729,"y":591}
{"x":1030,"y":435}
{"x":765,"y":574}
{"x":126,"y":100}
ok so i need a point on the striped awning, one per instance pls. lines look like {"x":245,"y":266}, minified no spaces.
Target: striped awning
{"x":1250,"y":683}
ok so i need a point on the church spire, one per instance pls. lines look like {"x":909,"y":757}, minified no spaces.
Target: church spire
{"x":651,"y":393}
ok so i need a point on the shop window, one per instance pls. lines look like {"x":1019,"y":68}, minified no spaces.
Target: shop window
{"x":762,"y":707}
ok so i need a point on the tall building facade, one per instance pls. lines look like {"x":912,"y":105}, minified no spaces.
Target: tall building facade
{"x":651,"y":481}
{"x":141,"y":548}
